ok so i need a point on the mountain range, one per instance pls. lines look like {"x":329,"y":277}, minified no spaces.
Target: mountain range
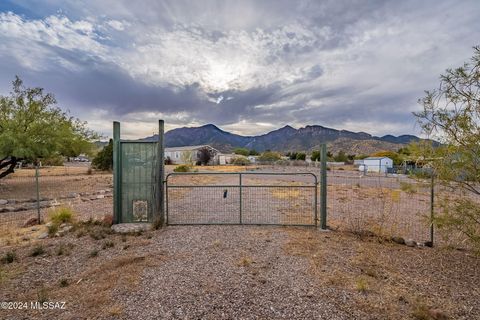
{"x":286,"y":139}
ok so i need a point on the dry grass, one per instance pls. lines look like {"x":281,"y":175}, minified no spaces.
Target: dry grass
{"x":387,"y":279}
{"x":51,"y":171}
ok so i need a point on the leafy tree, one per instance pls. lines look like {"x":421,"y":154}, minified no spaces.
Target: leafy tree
{"x":269,"y":156}
{"x":104,"y":159}
{"x":341,"y":157}
{"x":301,"y":156}
{"x":451,"y":114}
{"x":292,"y":155}
{"x":32,"y":127}
{"x":315,"y":156}
{"x":241,"y":151}
{"x":253,"y":152}
{"x":205,"y":154}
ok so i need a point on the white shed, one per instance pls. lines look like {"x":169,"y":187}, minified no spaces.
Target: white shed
{"x":377,"y":164}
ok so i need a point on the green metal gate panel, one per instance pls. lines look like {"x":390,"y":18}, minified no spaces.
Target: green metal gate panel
{"x":138,"y":161}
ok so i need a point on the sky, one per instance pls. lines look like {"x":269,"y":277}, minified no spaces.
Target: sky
{"x":248,"y":67}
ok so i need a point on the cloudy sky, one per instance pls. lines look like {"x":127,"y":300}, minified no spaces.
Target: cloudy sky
{"x":246,"y":66}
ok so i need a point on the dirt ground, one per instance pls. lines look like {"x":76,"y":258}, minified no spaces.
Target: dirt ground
{"x":237,"y":272}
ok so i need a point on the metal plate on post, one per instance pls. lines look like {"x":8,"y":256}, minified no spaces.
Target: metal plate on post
{"x":140,"y":210}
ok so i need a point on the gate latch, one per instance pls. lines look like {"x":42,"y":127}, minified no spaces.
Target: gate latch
{"x":225,"y":191}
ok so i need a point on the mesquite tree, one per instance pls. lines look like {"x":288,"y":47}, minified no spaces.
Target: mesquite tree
{"x":32,"y":128}
{"x":451,"y":114}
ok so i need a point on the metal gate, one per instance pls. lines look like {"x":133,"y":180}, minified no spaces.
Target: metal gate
{"x":242,"y":198}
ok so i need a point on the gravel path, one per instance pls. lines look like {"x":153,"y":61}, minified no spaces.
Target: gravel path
{"x":229,"y":273}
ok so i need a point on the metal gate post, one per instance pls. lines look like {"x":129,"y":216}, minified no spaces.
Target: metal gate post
{"x":116,"y":173}
{"x":323,"y":187}
{"x":160,"y":200}
{"x":240,"y":188}
{"x":432,"y":206}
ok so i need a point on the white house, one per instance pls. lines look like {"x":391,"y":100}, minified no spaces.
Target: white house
{"x":188,"y":154}
{"x":376,"y":164}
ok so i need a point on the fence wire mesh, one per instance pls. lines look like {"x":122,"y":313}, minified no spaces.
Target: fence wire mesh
{"x":256,"y":198}
{"x":88,"y":194}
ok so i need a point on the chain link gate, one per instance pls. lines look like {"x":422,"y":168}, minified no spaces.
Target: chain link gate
{"x":242,"y":198}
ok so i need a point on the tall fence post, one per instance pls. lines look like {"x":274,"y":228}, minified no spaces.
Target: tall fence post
{"x":116,"y":173}
{"x":432,"y":207}
{"x":323,"y":187}
{"x":160,"y":196}
{"x":37,"y":186}
{"x":240,"y":195}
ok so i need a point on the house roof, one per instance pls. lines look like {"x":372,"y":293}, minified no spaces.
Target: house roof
{"x":376,"y":158}
{"x":188,"y":148}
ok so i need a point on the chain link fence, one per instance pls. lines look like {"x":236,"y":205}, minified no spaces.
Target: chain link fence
{"x":25,"y":198}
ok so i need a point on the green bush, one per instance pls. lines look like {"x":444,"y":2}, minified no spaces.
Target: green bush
{"x":240,"y":161}
{"x":241,"y":151}
{"x":269,"y":156}
{"x":104,"y":159}
{"x":61,"y":215}
{"x":301,"y":156}
{"x":9,"y":257}
{"x":56,"y":160}
{"x":37,"y":250}
{"x":183,"y":168}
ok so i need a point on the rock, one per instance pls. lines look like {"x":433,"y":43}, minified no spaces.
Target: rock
{"x":398,"y":240}
{"x":437,"y":314}
{"x":85,"y":200}
{"x":101,"y":196}
{"x":25,"y":238}
{"x":48,"y":224}
{"x":72,"y":195}
{"x":21,"y":208}
{"x":410,"y":243}
{"x":34,"y":229}
{"x":43,"y":235}
{"x":12,"y":201}
{"x":101,"y":192}
{"x":3,"y":202}
{"x":67,"y":228}
{"x":30,"y":222}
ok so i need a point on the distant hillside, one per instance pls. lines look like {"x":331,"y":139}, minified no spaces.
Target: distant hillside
{"x":286,"y":139}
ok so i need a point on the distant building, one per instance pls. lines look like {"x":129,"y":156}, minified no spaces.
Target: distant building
{"x":189,"y":154}
{"x":376,"y":164}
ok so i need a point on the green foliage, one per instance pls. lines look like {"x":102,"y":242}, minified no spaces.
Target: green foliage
{"x":240,"y":161}
{"x":451,"y":114}
{"x":37,"y":250}
{"x":408,"y":187}
{"x":253,"y":152}
{"x":241,"y":151}
{"x":52,"y":229}
{"x":301,"y":156}
{"x":315,"y":156}
{"x":183,"y":168}
{"x":56,"y":160}
{"x":104,"y":159}
{"x":205,"y":154}
{"x":341,"y":157}
{"x":32,"y":127}
{"x":61,"y":215}
{"x":292,"y":155}
{"x":269,"y":156}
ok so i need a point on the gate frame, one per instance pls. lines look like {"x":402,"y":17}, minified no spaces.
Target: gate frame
{"x":241,"y":186}
{"x":158,"y":216}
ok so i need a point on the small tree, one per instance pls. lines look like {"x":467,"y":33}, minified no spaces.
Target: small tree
{"x":341,"y":157}
{"x":32,"y":127}
{"x":396,"y":157}
{"x":205,"y":154}
{"x":451,"y":114}
{"x":301,"y":156}
{"x":315,"y":156}
{"x":269,"y":156}
{"x":253,"y":152}
{"x":241,"y":151}
{"x":104,"y":159}
{"x":187,"y":158}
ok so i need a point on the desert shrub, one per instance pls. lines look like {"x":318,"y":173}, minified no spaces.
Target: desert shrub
{"x":408,"y":187}
{"x":93,"y":253}
{"x":61,"y":215}
{"x":108,"y":244}
{"x":37,"y":251}
{"x":104,"y":159}
{"x":168,"y":160}
{"x":63,"y":283}
{"x":56,"y":160}
{"x":183,"y":168}
{"x":52,"y":229}
{"x":107,"y":220}
{"x":282,"y":162}
{"x":240,"y":161}
{"x":89,"y":171}
{"x":269,"y":156}
{"x":241,"y":151}
{"x":361,"y":284}
{"x":301,"y":156}
{"x":9,"y":257}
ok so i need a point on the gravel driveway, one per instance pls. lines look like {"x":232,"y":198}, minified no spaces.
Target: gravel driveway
{"x":239,"y":272}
